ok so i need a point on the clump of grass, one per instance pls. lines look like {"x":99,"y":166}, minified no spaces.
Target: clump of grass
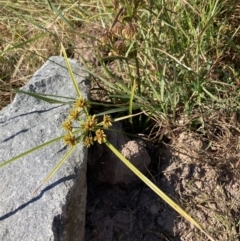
{"x":170,"y":57}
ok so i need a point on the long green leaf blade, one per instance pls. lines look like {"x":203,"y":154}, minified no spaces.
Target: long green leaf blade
{"x":43,"y":97}
{"x":70,"y":71}
{"x":59,"y":13}
{"x":59,"y":164}
{"x":30,"y":151}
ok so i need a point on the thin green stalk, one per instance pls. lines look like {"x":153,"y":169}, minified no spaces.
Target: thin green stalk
{"x":30,"y":151}
{"x":53,"y":171}
{"x":131,"y":99}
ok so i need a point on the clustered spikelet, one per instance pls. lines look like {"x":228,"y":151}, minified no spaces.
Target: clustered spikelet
{"x":119,"y":47}
{"x":117,"y":29}
{"x":130,"y":31}
{"x":67,"y":125}
{"x":100,"y":137}
{"x":70,"y":139}
{"x":81,"y":103}
{"x":90,"y":130}
{"x":107,"y":121}
{"x":73,"y":114}
{"x":118,"y":38}
{"x":90,"y":123}
{"x":106,"y":38}
{"x":88,"y":141}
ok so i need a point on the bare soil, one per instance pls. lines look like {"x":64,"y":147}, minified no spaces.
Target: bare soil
{"x":205,"y":182}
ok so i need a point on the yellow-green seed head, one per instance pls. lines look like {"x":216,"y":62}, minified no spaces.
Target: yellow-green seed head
{"x":70,"y":139}
{"x":107,"y":121}
{"x":100,"y":136}
{"x":67,"y":125}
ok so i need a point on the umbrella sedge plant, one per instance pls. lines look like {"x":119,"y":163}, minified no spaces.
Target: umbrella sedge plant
{"x":90,"y":131}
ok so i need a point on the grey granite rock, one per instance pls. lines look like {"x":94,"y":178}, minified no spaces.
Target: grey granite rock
{"x":57,"y":210}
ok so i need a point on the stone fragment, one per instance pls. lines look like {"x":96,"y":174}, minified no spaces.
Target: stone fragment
{"x":57,"y":210}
